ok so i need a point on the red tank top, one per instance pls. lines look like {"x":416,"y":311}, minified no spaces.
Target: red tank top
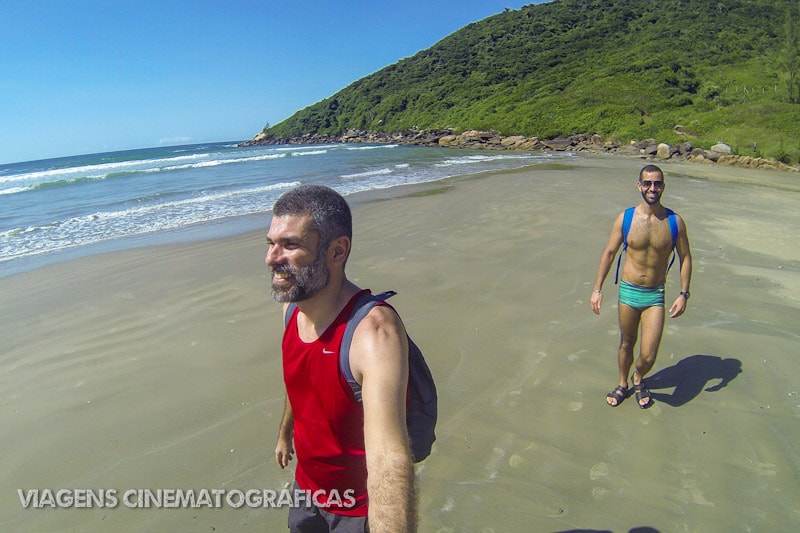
{"x":328,"y":422}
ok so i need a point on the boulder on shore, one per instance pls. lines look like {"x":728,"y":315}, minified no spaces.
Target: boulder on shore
{"x":722,"y":148}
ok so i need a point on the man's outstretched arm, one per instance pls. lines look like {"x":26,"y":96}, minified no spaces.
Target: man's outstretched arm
{"x":379,"y":360}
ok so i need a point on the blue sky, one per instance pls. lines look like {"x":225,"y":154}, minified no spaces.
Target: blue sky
{"x":87,"y":76}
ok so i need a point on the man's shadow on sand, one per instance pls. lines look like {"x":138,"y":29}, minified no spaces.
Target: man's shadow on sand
{"x":689,"y":377}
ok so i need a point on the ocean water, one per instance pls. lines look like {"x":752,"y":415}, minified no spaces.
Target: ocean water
{"x":56,"y":209}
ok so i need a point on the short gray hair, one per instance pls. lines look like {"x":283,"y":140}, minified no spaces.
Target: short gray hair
{"x":330,"y":214}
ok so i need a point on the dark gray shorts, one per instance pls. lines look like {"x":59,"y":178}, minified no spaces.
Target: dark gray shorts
{"x":312,"y":519}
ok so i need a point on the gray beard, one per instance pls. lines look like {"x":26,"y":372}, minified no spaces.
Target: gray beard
{"x":309,"y":281}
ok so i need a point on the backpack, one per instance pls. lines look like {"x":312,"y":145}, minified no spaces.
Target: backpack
{"x":627,"y":220}
{"x":421,"y":402}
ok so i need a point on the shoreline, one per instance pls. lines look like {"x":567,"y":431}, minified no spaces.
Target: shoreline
{"x":230,"y":227}
{"x":159,"y":367}
{"x":720,"y":153}
{"x":238,"y":226}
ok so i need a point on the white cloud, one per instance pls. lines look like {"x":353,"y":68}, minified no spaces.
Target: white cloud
{"x":174,"y":140}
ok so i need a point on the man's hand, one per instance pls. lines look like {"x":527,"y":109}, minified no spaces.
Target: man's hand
{"x":678,"y":307}
{"x":284,"y":452}
{"x":596,"y":301}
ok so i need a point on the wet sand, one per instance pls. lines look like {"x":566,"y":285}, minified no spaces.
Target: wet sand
{"x":159,"y":368}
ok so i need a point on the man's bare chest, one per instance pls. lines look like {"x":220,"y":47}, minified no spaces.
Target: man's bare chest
{"x":650,"y":233}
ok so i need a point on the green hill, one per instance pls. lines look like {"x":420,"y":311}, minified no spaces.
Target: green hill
{"x":674,"y":70}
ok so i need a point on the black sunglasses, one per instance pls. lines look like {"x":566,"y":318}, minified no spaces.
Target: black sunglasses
{"x":655,"y":184}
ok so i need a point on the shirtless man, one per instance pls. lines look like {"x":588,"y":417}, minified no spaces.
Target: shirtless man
{"x":354,"y":458}
{"x":641,"y":291}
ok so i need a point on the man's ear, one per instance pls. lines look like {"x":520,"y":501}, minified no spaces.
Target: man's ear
{"x":339,"y":250}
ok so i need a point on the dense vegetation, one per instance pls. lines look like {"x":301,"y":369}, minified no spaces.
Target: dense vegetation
{"x":674,"y":70}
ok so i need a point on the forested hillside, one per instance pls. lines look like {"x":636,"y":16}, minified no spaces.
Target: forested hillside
{"x":699,"y":70}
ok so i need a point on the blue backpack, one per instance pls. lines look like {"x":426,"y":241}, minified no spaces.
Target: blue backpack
{"x":627,"y":220}
{"x":421,"y":405}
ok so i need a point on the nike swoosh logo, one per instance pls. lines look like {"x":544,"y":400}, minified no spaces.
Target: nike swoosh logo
{"x":327,"y":351}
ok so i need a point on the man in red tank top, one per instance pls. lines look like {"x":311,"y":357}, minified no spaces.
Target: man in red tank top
{"x":354,"y":462}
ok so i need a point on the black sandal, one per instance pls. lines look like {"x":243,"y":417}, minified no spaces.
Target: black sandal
{"x":618,"y":394}
{"x":642,"y":393}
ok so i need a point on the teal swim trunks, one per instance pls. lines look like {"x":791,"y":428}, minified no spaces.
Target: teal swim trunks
{"x":640,"y":298}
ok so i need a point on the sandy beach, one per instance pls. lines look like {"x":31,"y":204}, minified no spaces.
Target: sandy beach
{"x":159,"y":368}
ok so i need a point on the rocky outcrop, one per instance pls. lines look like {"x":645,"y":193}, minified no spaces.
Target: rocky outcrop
{"x":720,"y":153}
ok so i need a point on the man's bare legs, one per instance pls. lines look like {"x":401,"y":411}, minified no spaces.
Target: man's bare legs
{"x":628,"y":333}
{"x":652,"y":320}
{"x":652,"y":324}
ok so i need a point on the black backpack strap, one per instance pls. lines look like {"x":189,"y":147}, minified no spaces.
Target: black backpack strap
{"x":289,"y":312}
{"x":362,"y":308}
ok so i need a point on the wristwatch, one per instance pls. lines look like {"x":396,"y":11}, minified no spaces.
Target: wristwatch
{"x":685,"y":294}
